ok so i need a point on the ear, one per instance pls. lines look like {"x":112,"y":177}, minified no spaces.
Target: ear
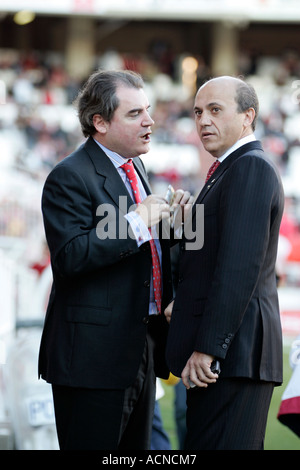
{"x":100,"y":124}
{"x":249,"y":117}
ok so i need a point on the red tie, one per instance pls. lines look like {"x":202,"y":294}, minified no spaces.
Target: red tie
{"x":212,"y":169}
{"x":131,"y":175}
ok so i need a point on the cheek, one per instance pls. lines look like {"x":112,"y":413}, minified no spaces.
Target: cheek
{"x":128,"y":138}
{"x":230,"y":129}
{"x":127,"y":130}
{"x":124,"y":134}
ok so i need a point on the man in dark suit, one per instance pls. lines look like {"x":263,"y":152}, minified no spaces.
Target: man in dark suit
{"x":226,"y":305}
{"x":104,"y":338}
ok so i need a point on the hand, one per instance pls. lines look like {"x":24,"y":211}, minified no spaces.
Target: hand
{"x":153,"y":209}
{"x":168,"y":311}
{"x":183,"y":199}
{"x":197,"y":369}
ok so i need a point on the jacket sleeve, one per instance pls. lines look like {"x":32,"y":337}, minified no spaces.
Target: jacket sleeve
{"x":248,"y":203}
{"x":70,"y":219}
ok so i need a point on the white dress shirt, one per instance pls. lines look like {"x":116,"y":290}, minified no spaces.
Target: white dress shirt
{"x":237,"y":145}
{"x":139,"y":228}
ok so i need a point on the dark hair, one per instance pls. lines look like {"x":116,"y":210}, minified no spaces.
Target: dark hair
{"x":98,"y":96}
{"x":246,"y":98}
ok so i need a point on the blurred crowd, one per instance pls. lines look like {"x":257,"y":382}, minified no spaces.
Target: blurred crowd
{"x":33,"y":81}
{"x":39,"y":126}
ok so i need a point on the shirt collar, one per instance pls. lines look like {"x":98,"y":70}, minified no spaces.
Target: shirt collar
{"x":238,"y":144}
{"x":115,"y":158}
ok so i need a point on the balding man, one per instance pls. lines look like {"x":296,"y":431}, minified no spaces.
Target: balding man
{"x":226,"y":306}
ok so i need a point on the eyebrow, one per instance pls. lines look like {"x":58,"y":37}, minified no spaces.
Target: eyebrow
{"x":210,"y":105}
{"x":134,"y":110}
{"x":215,"y":103}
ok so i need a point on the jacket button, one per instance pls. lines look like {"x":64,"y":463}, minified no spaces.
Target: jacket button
{"x":147,"y":284}
{"x":146,"y":320}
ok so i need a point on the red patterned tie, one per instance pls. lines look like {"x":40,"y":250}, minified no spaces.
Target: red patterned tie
{"x":131,"y":175}
{"x":212,"y":169}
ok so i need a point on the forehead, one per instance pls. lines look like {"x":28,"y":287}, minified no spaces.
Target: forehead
{"x":131,"y":98}
{"x":219,"y":91}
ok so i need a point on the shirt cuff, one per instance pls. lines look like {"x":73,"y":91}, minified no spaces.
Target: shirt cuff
{"x":139,"y":228}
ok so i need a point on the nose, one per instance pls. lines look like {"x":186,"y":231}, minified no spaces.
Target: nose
{"x":147,"y":121}
{"x":204,"y":119}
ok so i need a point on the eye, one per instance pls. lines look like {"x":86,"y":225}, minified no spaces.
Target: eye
{"x":198,"y":112}
{"x":134,"y":113}
{"x":215,"y":110}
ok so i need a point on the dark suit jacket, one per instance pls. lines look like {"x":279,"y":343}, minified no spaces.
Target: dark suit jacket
{"x":96,"y":321}
{"x":226,"y":303}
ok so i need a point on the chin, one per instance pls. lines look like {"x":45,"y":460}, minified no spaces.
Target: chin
{"x":211,"y":150}
{"x":145,"y":150}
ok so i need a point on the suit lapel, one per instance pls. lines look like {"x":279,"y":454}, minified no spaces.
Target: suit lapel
{"x":142,"y":174}
{"x":255,"y":145}
{"x":225,"y":165}
{"x":113,"y":183}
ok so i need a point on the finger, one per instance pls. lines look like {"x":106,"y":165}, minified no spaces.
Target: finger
{"x":206,"y":375}
{"x":164,"y":210}
{"x":178,"y":196}
{"x":201,"y":374}
{"x":185,"y":198}
{"x":164,"y":207}
{"x":190,"y":379}
{"x":161,"y":200}
{"x":198,"y":381}
{"x":168,"y":317}
{"x":185,"y":381}
{"x":188,"y":206}
{"x":168,"y":313}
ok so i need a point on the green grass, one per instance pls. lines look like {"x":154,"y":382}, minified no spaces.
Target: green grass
{"x":278,"y":436}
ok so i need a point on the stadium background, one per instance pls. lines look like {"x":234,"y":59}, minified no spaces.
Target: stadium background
{"x":47,"y":50}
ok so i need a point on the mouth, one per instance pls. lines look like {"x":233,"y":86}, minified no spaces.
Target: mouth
{"x":206,"y":135}
{"x":146,"y":137}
